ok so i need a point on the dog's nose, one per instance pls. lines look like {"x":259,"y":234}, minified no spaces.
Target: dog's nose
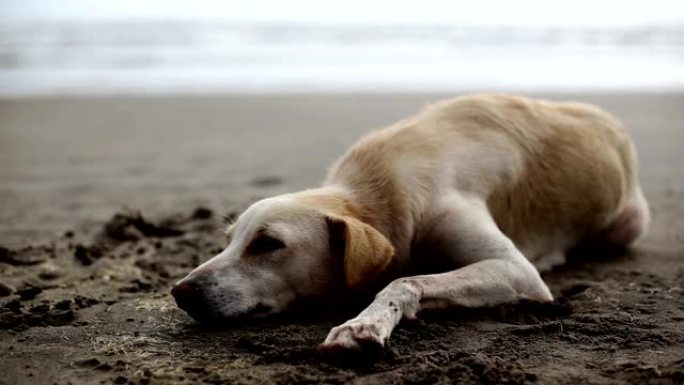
{"x":189,"y":296}
{"x":186,"y":291}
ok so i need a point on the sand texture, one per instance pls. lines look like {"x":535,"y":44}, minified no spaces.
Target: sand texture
{"x":104,"y":203}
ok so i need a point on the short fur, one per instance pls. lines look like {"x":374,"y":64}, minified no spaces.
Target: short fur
{"x":482,"y":191}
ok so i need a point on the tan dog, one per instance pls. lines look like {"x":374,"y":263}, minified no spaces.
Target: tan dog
{"x":483,"y":191}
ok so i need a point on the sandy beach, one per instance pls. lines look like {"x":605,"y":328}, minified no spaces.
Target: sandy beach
{"x":84,"y":281}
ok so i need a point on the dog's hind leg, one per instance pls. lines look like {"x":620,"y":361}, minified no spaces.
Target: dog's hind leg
{"x":630,"y":224}
{"x":496,"y":272}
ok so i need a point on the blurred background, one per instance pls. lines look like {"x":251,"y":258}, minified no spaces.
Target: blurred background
{"x":156,"y":46}
{"x":166,"y":105}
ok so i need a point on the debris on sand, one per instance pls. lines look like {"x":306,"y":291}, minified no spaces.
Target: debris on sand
{"x":36,"y":317}
{"x":48,"y":317}
{"x":10,"y":304}
{"x":28,"y":256}
{"x":29,"y":291}
{"x":131,"y":225}
{"x":100,"y":304}
{"x":10,"y":312}
{"x":83,"y":302}
{"x":5,"y":290}
{"x":87,"y":255}
{"x":202,"y":213}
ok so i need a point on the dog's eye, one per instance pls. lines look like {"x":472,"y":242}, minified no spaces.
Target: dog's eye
{"x":264,"y":244}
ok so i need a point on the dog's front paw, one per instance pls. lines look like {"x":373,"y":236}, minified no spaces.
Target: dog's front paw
{"x":357,"y":334}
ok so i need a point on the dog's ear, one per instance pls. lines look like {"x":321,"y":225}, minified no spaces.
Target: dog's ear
{"x":365,"y":250}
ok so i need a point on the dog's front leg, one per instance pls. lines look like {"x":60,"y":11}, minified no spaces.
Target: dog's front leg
{"x":498,"y":274}
{"x":400,"y":299}
{"x":486,"y":283}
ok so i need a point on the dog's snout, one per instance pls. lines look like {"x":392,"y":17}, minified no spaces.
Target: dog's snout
{"x":186,"y":290}
{"x":190,"y":296}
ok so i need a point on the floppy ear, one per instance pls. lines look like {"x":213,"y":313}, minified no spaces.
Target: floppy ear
{"x":366,"y":251}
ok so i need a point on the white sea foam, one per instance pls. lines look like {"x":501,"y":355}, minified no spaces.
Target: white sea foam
{"x":197,"y":55}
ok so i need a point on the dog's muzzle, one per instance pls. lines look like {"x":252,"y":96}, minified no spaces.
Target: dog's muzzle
{"x":204,"y":302}
{"x":190,"y":296}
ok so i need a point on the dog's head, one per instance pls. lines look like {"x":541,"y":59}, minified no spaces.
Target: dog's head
{"x":282,"y":251}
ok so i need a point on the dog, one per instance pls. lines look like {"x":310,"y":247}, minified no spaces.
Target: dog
{"x":461,"y":205}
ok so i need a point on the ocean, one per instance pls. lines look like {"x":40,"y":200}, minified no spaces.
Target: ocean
{"x":163,"y":56}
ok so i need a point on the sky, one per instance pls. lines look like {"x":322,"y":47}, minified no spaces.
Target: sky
{"x":587,"y":13}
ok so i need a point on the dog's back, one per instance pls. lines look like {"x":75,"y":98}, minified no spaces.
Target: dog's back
{"x":551,"y":173}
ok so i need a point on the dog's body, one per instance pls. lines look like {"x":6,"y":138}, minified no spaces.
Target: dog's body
{"x":479,"y":190}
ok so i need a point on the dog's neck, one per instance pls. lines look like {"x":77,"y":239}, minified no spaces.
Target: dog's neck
{"x":331,"y":200}
{"x":375,"y":210}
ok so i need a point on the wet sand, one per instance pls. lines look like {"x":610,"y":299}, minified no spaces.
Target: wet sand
{"x":86,"y":282}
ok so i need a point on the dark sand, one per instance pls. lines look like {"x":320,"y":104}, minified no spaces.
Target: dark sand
{"x":84,"y":292}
